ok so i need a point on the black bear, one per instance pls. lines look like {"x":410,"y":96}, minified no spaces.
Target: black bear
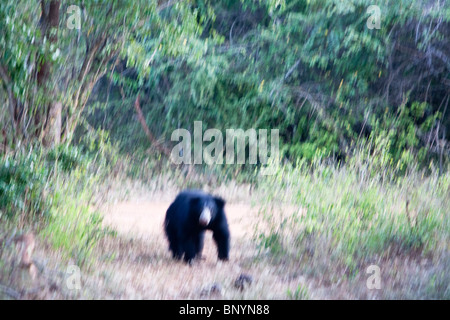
{"x":188,"y":217}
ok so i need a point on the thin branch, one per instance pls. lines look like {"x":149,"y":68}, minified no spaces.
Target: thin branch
{"x":12,"y":100}
{"x":150,"y":136}
{"x":291,"y":69}
{"x":168,"y":4}
{"x":231,"y":32}
{"x":286,"y":76}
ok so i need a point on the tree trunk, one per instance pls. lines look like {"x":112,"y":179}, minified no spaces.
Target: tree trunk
{"x":51,"y":133}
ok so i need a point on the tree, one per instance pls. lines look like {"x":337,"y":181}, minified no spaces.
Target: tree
{"x":49,"y":67}
{"x":313,"y":70}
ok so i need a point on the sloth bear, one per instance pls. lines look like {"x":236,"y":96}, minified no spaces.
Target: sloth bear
{"x":187,"y":218}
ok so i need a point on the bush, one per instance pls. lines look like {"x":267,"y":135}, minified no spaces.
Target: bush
{"x":67,"y":157}
{"x":57,"y":203}
{"x":351,"y":216}
{"x":74,"y":226}
{"x":24,"y":186}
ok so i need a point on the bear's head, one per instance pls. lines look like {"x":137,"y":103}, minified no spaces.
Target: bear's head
{"x":207,"y":208}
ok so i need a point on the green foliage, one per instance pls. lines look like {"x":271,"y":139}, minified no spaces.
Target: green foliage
{"x":52,"y":193}
{"x":301,"y":293}
{"x":74,"y":227}
{"x":73,"y":60}
{"x":23,"y":184}
{"x":350,"y":215}
{"x":370,"y":103}
{"x":271,"y":241}
{"x":311,"y":69}
{"x":67,"y":157}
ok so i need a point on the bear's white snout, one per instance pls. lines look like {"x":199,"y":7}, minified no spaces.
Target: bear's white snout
{"x":205,"y":217}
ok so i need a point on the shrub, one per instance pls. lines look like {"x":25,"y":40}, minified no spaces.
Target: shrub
{"x":67,"y":157}
{"x":350,"y":216}
{"x":23,"y":186}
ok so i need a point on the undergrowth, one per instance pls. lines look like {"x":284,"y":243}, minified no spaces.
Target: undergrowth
{"x":336,"y":219}
{"x":50,"y":193}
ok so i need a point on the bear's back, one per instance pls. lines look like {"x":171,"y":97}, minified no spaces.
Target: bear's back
{"x":193,"y":193}
{"x":177,"y":209}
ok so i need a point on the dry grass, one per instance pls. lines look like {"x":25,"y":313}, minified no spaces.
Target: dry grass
{"x":136,"y":263}
{"x":143,"y":263}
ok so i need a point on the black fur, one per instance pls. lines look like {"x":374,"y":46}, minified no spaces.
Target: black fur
{"x":184,"y":232}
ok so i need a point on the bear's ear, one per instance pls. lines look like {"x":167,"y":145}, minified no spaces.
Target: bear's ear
{"x":220,"y":203}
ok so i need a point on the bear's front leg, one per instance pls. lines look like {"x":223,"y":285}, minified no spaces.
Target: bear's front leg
{"x":199,"y":240}
{"x":189,"y":250}
{"x":222,"y":239}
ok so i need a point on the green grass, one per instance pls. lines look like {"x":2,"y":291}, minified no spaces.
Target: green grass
{"x":328,"y":217}
{"x":51,"y":194}
{"x":73,"y":226}
{"x":319,"y":220}
{"x":301,"y":293}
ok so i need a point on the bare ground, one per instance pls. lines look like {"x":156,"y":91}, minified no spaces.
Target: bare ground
{"x":138,"y":265}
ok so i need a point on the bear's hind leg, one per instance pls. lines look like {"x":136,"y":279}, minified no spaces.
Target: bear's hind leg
{"x":175,"y":247}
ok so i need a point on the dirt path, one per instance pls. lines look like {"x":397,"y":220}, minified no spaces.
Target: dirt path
{"x":137,"y":265}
